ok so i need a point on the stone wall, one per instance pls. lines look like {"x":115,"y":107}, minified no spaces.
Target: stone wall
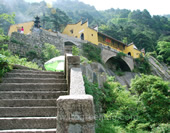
{"x":23,"y":44}
{"x":94,"y":72}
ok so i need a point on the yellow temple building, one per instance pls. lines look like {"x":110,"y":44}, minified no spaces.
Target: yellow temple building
{"x":83,"y":31}
{"x":17,"y":27}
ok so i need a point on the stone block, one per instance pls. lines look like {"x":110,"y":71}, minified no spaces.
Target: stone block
{"x":75,"y":114}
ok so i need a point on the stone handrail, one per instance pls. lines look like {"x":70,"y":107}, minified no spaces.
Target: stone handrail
{"x":75,"y":112}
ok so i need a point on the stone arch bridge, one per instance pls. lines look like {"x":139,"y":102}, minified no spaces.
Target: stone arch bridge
{"x":108,"y":53}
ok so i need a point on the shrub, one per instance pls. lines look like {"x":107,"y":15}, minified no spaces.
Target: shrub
{"x":96,"y":92}
{"x":92,"y":52}
{"x":10,"y":59}
{"x":4,"y":65}
{"x":4,"y":38}
{"x":31,"y":54}
{"x":154,"y":54}
{"x":49,"y":51}
{"x":143,"y":109}
{"x":153,"y":93}
{"x":22,"y":61}
{"x":17,"y":42}
{"x":120,"y":55}
{"x":142,"y":65}
{"x":4,"y":50}
{"x":75,"y":50}
{"x":160,"y":58}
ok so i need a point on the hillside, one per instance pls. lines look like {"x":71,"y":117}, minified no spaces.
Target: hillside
{"x":125,"y":25}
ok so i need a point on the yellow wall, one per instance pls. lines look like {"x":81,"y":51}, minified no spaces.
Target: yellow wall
{"x":95,"y":37}
{"x":113,"y":44}
{"x":134,"y":52}
{"x":92,"y":36}
{"x":27,"y":27}
{"x":78,"y":29}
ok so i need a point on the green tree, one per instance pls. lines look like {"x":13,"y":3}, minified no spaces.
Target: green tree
{"x":5,"y":18}
{"x":163,"y":48}
{"x":56,"y":18}
{"x":153,"y":94}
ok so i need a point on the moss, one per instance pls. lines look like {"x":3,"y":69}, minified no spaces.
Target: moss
{"x":17,"y":42}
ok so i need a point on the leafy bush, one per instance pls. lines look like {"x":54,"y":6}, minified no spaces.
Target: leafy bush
{"x":85,"y":60}
{"x":119,"y":72}
{"x":143,"y":109}
{"x":154,"y":54}
{"x":142,"y":65}
{"x":4,"y":38}
{"x":22,"y":61}
{"x":4,"y":65}
{"x":92,"y":52}
{"x":49,"y":51}
{"x":31,"y":54}
{"x":120,"y":55}
{"x":14,"y":59}
{"x":153,"y":93}
{"x":4,"y":46}
{"x":17,"y":42}
{"x":4,"y":51}
{"x":164,"y":50}
{"x":75,"y":51}
{"x":96,"y":92}
{"x":160,"y":58}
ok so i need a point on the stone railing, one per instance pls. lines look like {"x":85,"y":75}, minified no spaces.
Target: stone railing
{"x":75,"y":112}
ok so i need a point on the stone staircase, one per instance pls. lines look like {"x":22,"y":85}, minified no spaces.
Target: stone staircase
{"x":28,"y":101}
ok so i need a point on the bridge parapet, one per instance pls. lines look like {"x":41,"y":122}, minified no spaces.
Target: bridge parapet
{"x":76,"y":110}
{"x":76,"y":41}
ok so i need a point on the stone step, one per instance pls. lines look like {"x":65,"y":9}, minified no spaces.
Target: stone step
{"x":27,"y":123}
{"x":31,"y":94}
{"x":28,"y":111}
{"x":31,"y":75}
{"x":29,"y":131}
{"x":35,"y":72}
{"x":33,"y":86}
{"x":33,"y":80}
{"x":27,"y":102}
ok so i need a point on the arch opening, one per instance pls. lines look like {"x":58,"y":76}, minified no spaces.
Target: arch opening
{"x":129,"y":53}
{"x":117,"y":64}
{"x":82,"y":36}
{"x":68,"y":47}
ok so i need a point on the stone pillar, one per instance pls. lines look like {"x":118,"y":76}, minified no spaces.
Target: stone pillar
{"x":70,"y":62}
{"x":75,"y":114}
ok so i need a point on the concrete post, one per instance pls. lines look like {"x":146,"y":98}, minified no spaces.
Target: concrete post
{"x":70,"y":62}
{"x":75,"y":114}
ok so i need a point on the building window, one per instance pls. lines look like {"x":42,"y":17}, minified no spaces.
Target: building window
{"x":112,"y":42}
{"x":71,"y":31}
{"x":82,"y":36}
{"x":103,"y":38}
{"x":129,"y":53}
{"x":118,"y":45}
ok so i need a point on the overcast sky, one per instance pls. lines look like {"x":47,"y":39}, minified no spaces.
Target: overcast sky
{"x":155,"y":7}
